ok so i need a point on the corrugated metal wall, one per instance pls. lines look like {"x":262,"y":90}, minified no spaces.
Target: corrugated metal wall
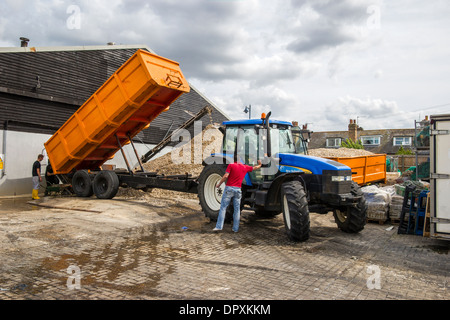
{"x":66,"y":80}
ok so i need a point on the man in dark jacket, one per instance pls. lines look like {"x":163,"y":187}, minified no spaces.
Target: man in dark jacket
{"x":36,"y":176}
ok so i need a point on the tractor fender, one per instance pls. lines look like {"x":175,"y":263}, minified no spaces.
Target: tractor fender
{"x":274,"y":191}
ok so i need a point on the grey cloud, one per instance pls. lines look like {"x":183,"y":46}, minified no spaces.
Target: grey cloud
{"x":334,"y":24}
{"x":319,"y":38}
{"x":344,"y":10}
{"x":213,"y":40}
{"x":372,"y":114}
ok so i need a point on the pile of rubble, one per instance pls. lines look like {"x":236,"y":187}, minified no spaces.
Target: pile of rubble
{"x":187,"y":158}
{"x":183,"y":159}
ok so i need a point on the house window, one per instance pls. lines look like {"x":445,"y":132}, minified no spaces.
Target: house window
{"x":402,"y":141}
{"x":333,"y":142}
{"x":371,"y":140}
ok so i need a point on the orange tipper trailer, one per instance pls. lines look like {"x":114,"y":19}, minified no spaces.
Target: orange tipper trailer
{"x":143,"y":87}
{"x":365,"y":169}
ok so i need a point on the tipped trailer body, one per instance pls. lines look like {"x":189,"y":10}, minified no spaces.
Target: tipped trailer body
{"x":143,"y":87}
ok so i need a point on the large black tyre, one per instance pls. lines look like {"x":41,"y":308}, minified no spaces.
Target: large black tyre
{"x":295,"y":210}
{"x":82,"y":184}
{"x":352,"y":219}
{"x":106,"y":184}
{"x":210,"y":196}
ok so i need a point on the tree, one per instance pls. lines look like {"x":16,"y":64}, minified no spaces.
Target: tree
{"x":349,"y":143}
{"x":401,"y":150}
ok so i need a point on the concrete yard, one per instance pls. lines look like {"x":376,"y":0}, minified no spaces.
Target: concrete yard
{"x":164,"y":249}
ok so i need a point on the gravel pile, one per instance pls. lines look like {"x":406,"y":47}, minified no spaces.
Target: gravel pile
{"x":340,"y":152}
{"x":181,"y":160}
{"x":185,"y":156}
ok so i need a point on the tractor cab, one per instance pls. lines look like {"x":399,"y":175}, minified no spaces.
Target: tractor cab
{"x":254,"y":134}
{"x":249,"y":140}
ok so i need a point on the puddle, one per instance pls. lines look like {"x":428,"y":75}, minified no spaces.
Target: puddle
{"x":441,"y":249}
{"x":11,"y":205}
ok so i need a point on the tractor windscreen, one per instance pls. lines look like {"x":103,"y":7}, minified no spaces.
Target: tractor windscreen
{"x":284,"y":136}
{"x":251,"y":143}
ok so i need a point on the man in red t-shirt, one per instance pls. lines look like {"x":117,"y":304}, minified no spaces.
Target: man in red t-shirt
{"x":234,"y":175}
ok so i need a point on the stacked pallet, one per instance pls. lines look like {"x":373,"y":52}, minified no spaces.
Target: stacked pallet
{"x":395,"y":208}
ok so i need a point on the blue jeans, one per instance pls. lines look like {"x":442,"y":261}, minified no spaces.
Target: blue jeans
{"x":229,"y":193}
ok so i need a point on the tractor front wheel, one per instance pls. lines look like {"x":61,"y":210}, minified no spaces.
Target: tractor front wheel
{"x":352,"y":219}
{"x":295,"y":210}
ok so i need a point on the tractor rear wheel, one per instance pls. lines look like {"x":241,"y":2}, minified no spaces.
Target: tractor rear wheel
{"x":82,"y":184}
{"x":106,"y":184}
{"x":352,"y":219}
{"x":210,"y":196}
{"x":295,"y":210}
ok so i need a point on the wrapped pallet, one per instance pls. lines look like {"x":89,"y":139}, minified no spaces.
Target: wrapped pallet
{"x":378,"y":201}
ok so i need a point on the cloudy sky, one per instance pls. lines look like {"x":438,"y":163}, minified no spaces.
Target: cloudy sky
{"x":321,"y":62}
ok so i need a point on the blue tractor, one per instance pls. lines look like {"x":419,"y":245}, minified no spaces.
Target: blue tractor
{"x":290,"y":181}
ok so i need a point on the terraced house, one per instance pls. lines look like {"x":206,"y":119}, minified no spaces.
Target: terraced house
{"x":387,"y":141}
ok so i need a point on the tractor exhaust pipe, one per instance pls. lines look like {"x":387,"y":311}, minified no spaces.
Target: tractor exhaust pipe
{"x":269,"y":144}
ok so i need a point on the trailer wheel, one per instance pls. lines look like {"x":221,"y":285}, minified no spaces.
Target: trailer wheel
{"x":209,"y":196}
{"x":82,"y":184}
{"x":352,"y":219}
{"x":106,"y":184}
{"x":295,"y":210}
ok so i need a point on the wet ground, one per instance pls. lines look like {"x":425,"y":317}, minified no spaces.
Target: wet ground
{"x":155,"y":248}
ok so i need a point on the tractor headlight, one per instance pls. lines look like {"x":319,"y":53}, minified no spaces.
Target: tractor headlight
{"x":341,"y":178}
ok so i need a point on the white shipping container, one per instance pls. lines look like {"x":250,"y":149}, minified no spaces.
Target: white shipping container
{"x":440,"y":176}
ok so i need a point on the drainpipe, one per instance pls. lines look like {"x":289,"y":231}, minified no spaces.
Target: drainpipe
{"x":5,"y":130}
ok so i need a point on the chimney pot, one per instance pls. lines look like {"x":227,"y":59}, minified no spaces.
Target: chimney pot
{"x":352,"y":130}
{"x":24,"y":42}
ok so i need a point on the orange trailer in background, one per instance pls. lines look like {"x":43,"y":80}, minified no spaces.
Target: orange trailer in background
{"x":366,"y":169}
{"x":143,"y":87}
